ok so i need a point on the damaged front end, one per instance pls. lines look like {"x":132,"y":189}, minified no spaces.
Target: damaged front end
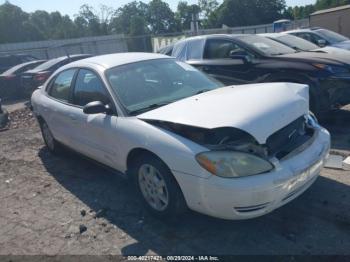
{"x":223,"y":138}
{"x":235,"y":153}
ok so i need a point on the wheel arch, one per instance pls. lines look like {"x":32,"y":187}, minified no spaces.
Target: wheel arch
{"x":135,"y":153}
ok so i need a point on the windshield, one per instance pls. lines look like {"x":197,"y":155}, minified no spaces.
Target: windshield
{"x":297,"y":42}
{"x":266,"y":46}
{"x":149,"y":84}
{"x":331,"y":36}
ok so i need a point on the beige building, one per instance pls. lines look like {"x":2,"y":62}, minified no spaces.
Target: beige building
{"x":336,"y":19}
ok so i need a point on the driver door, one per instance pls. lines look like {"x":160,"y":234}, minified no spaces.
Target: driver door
{"x":95,"y":134}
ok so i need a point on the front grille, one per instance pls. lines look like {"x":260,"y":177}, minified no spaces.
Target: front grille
{"x":289,"y":138}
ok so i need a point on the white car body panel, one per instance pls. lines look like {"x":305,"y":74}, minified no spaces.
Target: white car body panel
{"x":259,"y":109}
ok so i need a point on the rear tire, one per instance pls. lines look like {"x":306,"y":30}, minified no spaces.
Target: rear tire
{"x":157,"y":187}
{"x":50,"y":142}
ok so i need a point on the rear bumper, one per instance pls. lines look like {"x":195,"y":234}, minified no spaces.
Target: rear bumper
{"x":249,"y":197}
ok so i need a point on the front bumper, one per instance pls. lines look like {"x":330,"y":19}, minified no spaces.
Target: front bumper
{"x":249,"y":197}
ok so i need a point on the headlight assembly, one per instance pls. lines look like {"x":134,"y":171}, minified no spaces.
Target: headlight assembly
{"x":231,"y":164}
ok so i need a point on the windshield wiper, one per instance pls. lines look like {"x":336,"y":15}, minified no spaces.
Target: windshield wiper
{"x":202,"y":91}
{"x":150,"y":107}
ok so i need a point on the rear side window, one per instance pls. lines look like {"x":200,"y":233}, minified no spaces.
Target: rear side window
{"x":60,"y":88}
{"x":89,"y":88}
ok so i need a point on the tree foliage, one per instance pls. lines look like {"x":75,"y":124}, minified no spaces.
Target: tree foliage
{"x":138,"y":18}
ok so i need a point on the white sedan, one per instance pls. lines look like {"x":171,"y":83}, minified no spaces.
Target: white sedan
{"x":234,"y":152}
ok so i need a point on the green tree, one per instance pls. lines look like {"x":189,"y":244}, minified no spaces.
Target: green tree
{"x":184,"y":14}
{"x":121,"y":20}
{"x":208,"y":12}
{"x":248,"y":12}
{"x":160,"y":18}
{"x":13,"y":24}
{"x":324,"y":4}
{"x":89,"y":21}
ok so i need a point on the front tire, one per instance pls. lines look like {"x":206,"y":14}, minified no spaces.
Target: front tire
{"x":157,"y":187}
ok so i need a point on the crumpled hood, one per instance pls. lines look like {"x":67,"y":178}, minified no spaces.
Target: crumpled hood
{"x":259,"y":109}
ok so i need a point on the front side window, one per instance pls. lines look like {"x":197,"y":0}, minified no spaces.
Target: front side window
{"x":221,"y":48}
{"x":297,"y":42}
{"x":60,"y":88}
{"x":149,"y":84}
{"x":89,"y":88}
{"x":310,"y":37}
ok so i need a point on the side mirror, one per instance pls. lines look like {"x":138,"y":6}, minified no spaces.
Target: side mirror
{"x":96,"y":107}
{"x":321,"y":42}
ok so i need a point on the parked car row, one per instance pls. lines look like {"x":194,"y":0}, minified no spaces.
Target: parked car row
{"x":243,"y":59}
{"x":199,"y":140}
{"x":22,"y":79}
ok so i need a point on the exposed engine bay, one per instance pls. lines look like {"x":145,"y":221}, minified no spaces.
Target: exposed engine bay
{"x":228,"y":138}
{"x":278,"y":145}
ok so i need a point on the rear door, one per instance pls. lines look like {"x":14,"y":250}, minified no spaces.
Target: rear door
{"x":56,"y":107}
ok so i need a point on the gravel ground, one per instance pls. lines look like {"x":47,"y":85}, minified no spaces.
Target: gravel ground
{"x":68,"y":205}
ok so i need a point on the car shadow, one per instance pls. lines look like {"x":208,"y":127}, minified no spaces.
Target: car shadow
{"x":338,"y":124}
{"x":314,"y":223}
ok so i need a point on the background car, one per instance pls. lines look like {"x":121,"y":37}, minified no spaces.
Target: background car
{"x":9,"y":61}
{"x":34,"y":78}
{"x":242,"y":59}
{"x":183,"y":139}
{"x":10,"y":84}
{"x":300,"y":44}
{"x":322,"y":37}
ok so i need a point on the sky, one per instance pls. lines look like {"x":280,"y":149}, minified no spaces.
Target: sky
{"x":71,"y":7}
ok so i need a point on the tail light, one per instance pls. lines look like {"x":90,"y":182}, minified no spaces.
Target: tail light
{"x":41,"y":77}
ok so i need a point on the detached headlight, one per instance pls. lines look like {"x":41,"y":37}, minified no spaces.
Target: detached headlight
{"x":333,"y":69}
{"x":232,"y":164}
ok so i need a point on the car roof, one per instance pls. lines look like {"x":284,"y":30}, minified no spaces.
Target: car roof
{"x":272,"y":35}
{"x":113,"y":60}
{"x":312,"y":29}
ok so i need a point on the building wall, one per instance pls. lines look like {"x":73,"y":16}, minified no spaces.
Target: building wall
{"x":337,"y":21}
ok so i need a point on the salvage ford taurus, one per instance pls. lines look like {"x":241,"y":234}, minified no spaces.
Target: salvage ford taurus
{"x":232,"y":152}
